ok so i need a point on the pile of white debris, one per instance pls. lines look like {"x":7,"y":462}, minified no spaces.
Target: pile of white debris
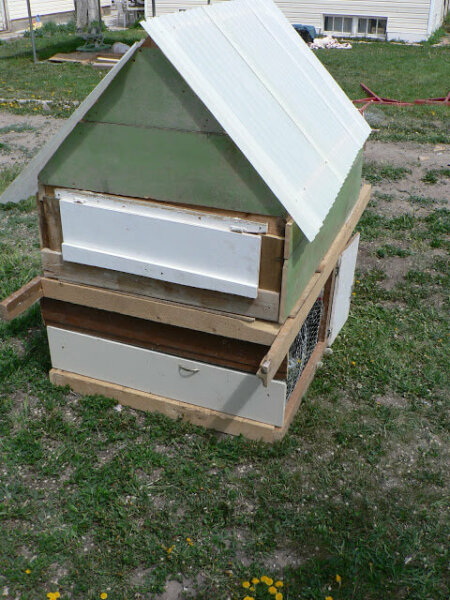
{"x":328,"y":42}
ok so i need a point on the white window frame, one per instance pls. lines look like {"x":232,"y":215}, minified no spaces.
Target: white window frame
{"x":371,"y":35}
{"x":355,"y":26}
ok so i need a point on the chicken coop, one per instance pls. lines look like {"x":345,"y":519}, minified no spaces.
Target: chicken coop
{"x":196,"y":219}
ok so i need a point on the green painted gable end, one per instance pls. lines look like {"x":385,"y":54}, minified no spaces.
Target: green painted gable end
{"x":306,"y":256}
{"x":149,"y":136}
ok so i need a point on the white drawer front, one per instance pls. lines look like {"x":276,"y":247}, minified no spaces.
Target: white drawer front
{"x":217,"y":388}
{"x":165,"y":244}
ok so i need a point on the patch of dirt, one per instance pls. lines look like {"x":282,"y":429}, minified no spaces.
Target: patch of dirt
{"x":24,"y":403}
{"x":105,"y":456}
{"x":281,"y":559}
{"x":392,"y":401}
{"x":176,"y":590}
{"x":23,"y":136}
{"x":164,"y":450}
{"x":419,"y":158}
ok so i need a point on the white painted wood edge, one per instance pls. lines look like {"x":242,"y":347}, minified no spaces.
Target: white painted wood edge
{"x":343,"y":286}
{"x":96,"y":258}
{"x":140,"y":207}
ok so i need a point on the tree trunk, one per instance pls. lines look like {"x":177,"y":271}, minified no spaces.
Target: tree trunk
{"x":87,"y":11}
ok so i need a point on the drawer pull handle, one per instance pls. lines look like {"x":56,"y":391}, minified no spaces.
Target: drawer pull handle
{"x":186,"y":371}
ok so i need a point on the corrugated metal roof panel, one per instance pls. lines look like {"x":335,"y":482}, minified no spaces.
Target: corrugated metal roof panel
{"x":273,"y":97}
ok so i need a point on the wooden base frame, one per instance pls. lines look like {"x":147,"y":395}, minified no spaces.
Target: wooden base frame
{"x":204,"y":417}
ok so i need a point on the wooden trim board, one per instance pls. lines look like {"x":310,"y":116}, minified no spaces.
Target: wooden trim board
{"x":259,"y":332}
{"x":264,"y":306}
{"x":203,"y":417}
{"x":288,"y":331}
{"x":20,"y":301}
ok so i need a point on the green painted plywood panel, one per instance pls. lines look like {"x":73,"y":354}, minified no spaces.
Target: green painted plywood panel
{"x":177,"y":166}
{"x":149,"y":92}
{"x":306,"y":256}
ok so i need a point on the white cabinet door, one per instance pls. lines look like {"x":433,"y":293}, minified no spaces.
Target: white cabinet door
{"x":343,"y":289}
{"x":181,"y":246}
{"x":226,"y":390}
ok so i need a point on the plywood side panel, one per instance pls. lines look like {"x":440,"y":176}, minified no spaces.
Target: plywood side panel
{"x":212,"y":387}
{"x":151,"y":93}
{"x":175,"y":166}
{"x":305,"y":257}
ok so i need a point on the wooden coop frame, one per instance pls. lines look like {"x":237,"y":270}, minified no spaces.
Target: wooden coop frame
{"x":277,"y":337}
{"x":180,"y":279}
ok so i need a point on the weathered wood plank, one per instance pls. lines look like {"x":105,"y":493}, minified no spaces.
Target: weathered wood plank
{"x":258,"y":332}
{"x":174,"y":409}
{"x":187,"y":343}
{"x":271,"y":263}
{"x":20,"y":301}
{"x":52,"y":217}
{"x":264,"y":306}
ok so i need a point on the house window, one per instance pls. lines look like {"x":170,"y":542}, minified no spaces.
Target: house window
{"x":357,"y":26}
{"x":338,"y":24}
{"x":372,"y":26}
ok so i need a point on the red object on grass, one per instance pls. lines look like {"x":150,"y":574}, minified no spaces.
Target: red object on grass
{"x":373,"y":98}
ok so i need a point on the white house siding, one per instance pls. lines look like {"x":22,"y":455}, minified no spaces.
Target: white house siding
{"x":438,"y":9}
{"x":18,"y":8}
{"x":406,"y":20}
{"x":168,"y":6}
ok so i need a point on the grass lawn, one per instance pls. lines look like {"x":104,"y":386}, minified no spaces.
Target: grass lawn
{"x":350,"y":505}
{"x":396,"y":71}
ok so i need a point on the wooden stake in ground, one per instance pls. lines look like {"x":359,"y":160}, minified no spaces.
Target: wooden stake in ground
{"x":33,"y":41}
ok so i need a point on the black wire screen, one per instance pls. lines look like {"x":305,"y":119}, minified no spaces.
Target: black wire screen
{"x":303,"y":345}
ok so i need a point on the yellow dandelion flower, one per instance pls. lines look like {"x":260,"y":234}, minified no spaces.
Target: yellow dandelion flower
{"x":338,"y":579}
{"x":249,"y":598}
{"x":246,"y":584}
{"x":353,"y":293}
{"x":189,"y":541}
{"x":329,"y":598}
{"x":264,"y":578}
{"x":269,"y":580}
{"x":103,"y":595}
{"x":278,"y":596}
{"x":27,"y":571}
{"x":279,"y":584}
{"x":353,"y":363}
{"x":272,"y":590}
{"x":255,"y":580}
{"x":252,"y":589}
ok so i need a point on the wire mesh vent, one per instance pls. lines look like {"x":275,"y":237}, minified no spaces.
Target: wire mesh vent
{"x":303,"y":345}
